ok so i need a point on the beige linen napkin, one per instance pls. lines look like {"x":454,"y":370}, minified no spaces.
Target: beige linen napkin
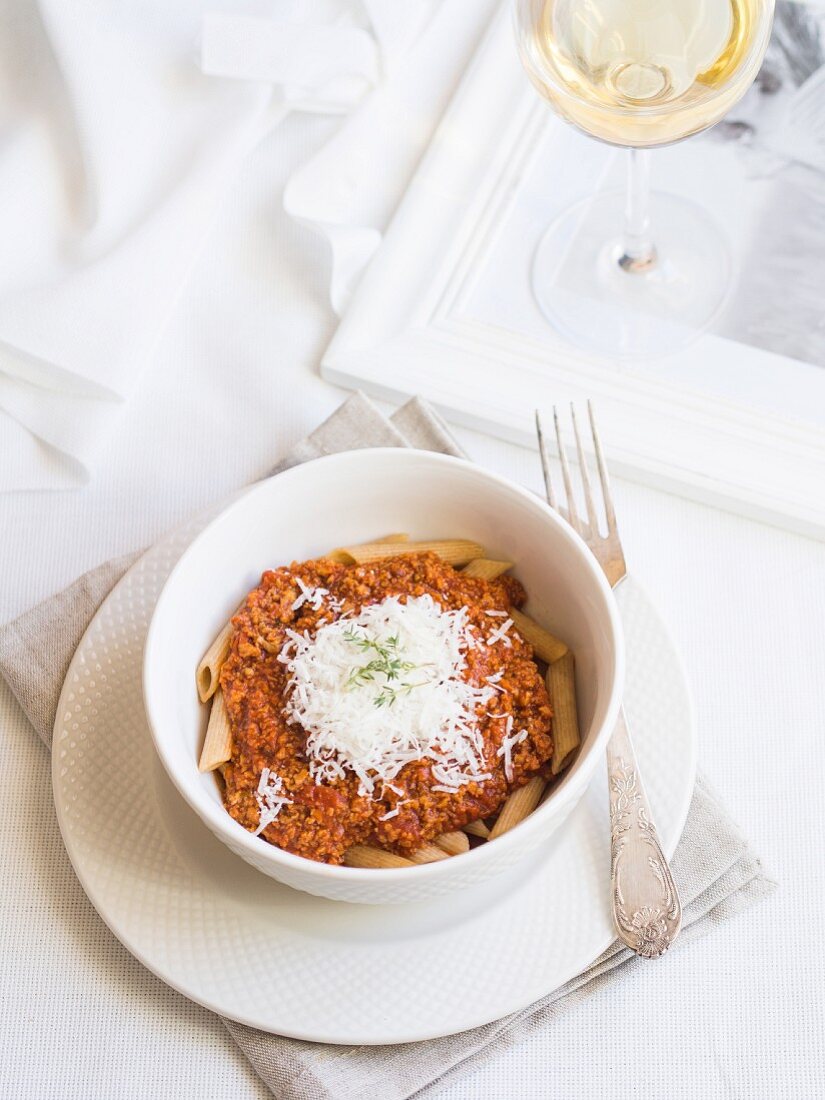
{"x":717,"y":873}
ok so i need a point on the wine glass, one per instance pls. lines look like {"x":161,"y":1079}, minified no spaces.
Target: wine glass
{"x":633,"y":273}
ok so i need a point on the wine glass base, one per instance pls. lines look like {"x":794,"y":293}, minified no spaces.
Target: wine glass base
{"x":624,"y":311}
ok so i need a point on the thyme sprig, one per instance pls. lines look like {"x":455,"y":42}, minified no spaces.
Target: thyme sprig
{"x":386,"y":663}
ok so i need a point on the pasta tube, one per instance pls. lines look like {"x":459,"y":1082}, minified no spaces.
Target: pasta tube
{"x":217,"y":748}
{"x":561,"y":686}
{"x":428,"y":853}
{"x":486,"y":569}
{"x":209,"y":670}
{"x":545,"y":645}
{"x":518,"y":805}
{"x":454,"y":551}
{"x":363,"y":856}
{"x":453,"y":843}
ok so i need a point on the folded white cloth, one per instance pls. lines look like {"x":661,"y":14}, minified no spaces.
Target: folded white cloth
{"x":349,"y":190}
{"x":123,"y":126}
{"x":118,"y":150}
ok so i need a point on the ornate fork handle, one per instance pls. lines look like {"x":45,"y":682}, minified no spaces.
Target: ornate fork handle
{"x":646,"y":904}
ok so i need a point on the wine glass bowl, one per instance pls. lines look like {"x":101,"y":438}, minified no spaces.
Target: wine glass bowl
{"x":642,"y":72}
{"x":637,"y":73}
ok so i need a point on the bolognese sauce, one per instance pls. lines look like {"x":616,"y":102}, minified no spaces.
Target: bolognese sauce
{"x":380,"y":704}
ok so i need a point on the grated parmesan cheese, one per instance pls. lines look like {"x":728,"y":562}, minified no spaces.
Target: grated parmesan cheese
{"x":500,"y":634}
{"x":395,"y":811}
{"x":270,"y":797}
{"x":315,"y":597}
{"x":494,"y":682}
{"x":362,"y":720}
{"x":509,"y":742}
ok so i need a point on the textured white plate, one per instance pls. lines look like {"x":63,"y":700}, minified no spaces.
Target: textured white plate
{"x":256,"y":951}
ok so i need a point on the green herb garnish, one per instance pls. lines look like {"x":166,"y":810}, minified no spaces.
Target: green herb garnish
{"x":387,"y":663}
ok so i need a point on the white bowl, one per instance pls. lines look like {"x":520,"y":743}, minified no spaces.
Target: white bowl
{"x":351,"y":498}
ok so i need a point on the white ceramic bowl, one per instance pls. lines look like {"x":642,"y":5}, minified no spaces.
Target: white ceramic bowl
{"x":351,"y":498}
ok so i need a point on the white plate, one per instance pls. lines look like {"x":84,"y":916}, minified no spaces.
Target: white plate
{"x":286,"y":962}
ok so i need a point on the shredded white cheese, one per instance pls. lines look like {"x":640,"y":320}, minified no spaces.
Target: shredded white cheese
{"x":508,"y":743}
{"x":493,"y":681}
{"x":395,"y":811}
{"x":451,"y":790}
{"x":270,"y":797}
{"x":372,"y":715}
{"x":500,"y":634}
{"x":315,"y":597}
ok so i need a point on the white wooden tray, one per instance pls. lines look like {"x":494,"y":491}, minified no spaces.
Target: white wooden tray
{"x":445,"y":310}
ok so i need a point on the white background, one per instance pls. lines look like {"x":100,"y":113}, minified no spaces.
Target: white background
{"x":234,"y":386}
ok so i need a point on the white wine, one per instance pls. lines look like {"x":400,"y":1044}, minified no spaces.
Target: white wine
{"x":643,"y":72}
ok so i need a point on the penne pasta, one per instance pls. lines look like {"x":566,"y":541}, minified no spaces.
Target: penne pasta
{"x":217,"y":748}
{"x":428,"y":853}
{"x":561,"y":686}
{"x":477,"y":828}
{"x":209,"y":670}
{"x":518,"y":805}
{"x":453,"y":843}
{"x":363,"y":856}
{"x":341,"y":556}
{"x":454,"y":551}
{"x":545,"y":645}
{"x":345,"y":558}
{"x":486,"y":569}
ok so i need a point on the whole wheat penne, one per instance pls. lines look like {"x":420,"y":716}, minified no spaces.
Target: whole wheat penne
{"x":561,"y":687}
{"x":518,"y":805}
{"x":341,"y":556}
{"x":545,"y":645}
{"x":454,"y":551}
{"x":477,"y":828}
{"x":363,"y":856}
{"x":209,"y":670}
{"x":453,"y":843}
{"x":428,"y":853}
{"x":486,"y":569}
{"x":217,"y":748}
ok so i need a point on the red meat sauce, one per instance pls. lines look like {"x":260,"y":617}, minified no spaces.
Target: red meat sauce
{"x":323,"y":821}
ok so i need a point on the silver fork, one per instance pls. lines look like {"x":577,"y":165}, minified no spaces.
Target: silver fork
{"x":646,"y":905}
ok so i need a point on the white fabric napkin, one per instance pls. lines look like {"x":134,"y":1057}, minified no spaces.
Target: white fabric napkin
{"x":349,"y":190}
{"x":400,"y":79}
{"x":117,"y":150}
{"x":123,"y":126}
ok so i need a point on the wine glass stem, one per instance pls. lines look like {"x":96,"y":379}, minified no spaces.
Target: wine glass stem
{"x":638,"y":253}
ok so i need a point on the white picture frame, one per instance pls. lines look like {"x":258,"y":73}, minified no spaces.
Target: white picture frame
{"x":722,"y":422}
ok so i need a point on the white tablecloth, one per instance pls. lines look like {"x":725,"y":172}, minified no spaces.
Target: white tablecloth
{"x":233,"y":385}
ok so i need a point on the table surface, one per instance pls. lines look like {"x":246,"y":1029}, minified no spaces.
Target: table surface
{"x":233,"y":386}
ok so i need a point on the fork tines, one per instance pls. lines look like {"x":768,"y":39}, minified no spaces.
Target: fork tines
{"x":589,"y":530}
